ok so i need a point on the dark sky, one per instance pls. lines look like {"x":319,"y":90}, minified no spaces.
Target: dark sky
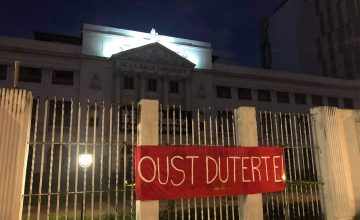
{"x":229,"y":25}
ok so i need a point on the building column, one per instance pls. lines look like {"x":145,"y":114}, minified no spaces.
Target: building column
{"x":165,"y":90}
{"x":336,"y":133}
{"x":187,"y":83}
{"x":142,"y":88}
{"x":148,"y":134}
{"x":15,"y":119}
{"x":246,"y":135}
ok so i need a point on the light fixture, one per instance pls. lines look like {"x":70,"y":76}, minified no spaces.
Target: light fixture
{"x":283,"y":177}
{"x":85,"y":160}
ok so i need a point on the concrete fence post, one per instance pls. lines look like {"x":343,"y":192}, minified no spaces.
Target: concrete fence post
{"x":148,"y":134}
{"x":246,"y":135}
{"x":336,"y":133}
{"x":15,"y":119}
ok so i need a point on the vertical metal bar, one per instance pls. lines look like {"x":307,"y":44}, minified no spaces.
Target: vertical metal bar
{"x":217,"y":144}
{"x":314,"y":171}
{"x":294,"y":162}
{"x":174,"y":143}
{"x":77,"y":158}
{"x":69,"y":160}
{"x":297,"y":170}
{"x":193,"y":143}
{"x":288,"y":127}
{"x":124,"y":164}
{"x":167,"y":126}
{"x":211,"y":144}
{"x":187,"y":143}
{"x":286,"y":200}
{"x":86,"y":150}
{"x":262,"y":125}
{"x":180,"y":133}
{"x":205,"y":143}
{"x":199,"y":143}
{"x":272,"y":144}
{"x":109,"y":162}
{"x":117,"y":160}
{"x":102,"y":157}
{"x":51,"y":160}
{"x":131,"y":162}
{"x":94,"y":159}
{"x":33,"y":158}
{"x":302,"y":167}
{"x":60,"y":159}
{"x":161,"y":125}
{"x":307,"y":168}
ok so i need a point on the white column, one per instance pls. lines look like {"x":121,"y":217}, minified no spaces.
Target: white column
{"x":246,"y":135}
{"x":148,"y":134}
{"x":336,"y":133}
{"x":15,"y":118}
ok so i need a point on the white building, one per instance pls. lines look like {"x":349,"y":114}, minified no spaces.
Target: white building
{"x":121,"y":65}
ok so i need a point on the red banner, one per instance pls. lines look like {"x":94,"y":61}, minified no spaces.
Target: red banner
{"x":187,"y":172}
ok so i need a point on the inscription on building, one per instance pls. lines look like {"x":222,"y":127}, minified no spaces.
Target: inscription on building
{"x":152,"y":68}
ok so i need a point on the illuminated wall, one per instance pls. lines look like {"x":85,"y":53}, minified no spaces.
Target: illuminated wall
{"x":105,"y":41}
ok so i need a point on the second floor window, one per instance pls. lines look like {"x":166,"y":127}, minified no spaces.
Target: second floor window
{"x":300,"y":98}
{"x":3,"y":70}
{"x":128,"y":82}
{"x":264,"y":95}
{"x":174,"y":87}
{"x":283,"y":97}
{"x":30,"y":74}
{"x":152,"y":85}
{"x":223,"y":92}
{"x":333,"y":101}
{"x":244,"y":93}
{"x":62,"y":77}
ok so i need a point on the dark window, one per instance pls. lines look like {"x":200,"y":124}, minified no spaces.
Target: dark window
{"x":223,"y":92}
{"x":264,"y":95}
{"x":174,"y":87}
{"x":152,"y":85}
{"x":348,"y":103}
{"x":3,"y":70}
{"x":30,"y":74}
{"x":244,"y":93}
{"x":333,"y":101}
{"x":62,"y":77}
{"x":128,"y":82}
{"x":58,"y":113}
{"x":283,"y":97}
{"x":300,"y":98}
{"x":316,"y":100}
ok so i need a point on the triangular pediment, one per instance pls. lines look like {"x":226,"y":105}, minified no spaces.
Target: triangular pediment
{"x":154,"y":53}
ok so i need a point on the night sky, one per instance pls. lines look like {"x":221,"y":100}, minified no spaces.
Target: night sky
{"x":229,"y":25}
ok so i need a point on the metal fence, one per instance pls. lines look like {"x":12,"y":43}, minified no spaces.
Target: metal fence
{"x":56,"y":186}
{"x":202,"y":127}
{"x":302,"y":196}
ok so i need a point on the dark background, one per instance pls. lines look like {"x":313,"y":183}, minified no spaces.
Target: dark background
{"x":232,"y":26}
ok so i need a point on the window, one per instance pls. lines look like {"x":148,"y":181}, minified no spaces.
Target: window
{"x":152,"y":85}
{"x":223,"y":92}
{"x":333,"y":101}
{"x":3,"y":70}
{"x":128,"y":82}
{"x":283,"y":97}
{"x":62,"y":77}
{"x":264,"y":95}
{"x":174,"y":87}
{"x":300,"y":98}
{"x":30,"y":74}
{"x":244,"y":93}
{"x":58,"y":112}
{"x":348,"y":103}
{"x":316,"y":100}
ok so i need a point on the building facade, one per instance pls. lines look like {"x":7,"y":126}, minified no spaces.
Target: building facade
{"x":317,"y":37}
{"x":124,"y":66}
